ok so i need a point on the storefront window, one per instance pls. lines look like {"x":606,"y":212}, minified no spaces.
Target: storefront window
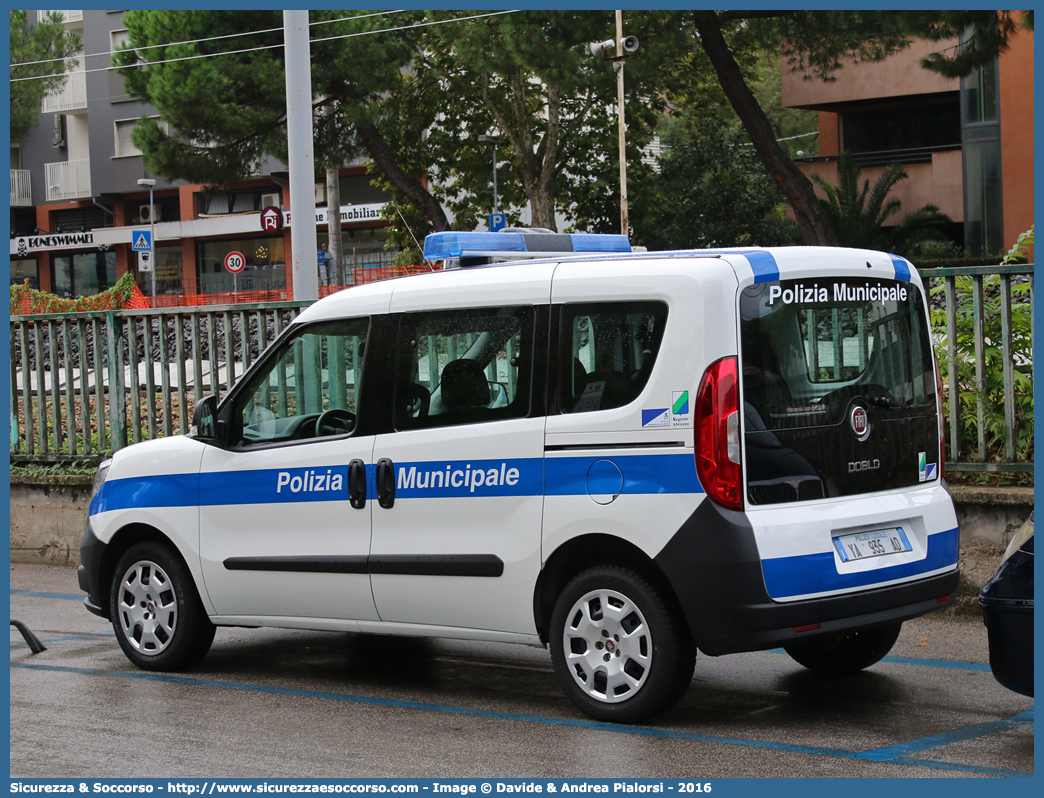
{"x":168,"y":272}
{"x":83,"y":273}
{"x":22,"y":270}
{"x":364,"y":253}
{"x":265,"y":265}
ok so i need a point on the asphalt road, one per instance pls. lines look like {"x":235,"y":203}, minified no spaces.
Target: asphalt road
{"x":280,"y":703}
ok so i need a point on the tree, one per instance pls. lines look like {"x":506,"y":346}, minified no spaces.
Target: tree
{"x":820,"y":41}
{"x":529,"y":77}
{"x":858,"y":216}
{"x":713,"y":191}
{"x":48,"y":42}
{"x":228,"y":112}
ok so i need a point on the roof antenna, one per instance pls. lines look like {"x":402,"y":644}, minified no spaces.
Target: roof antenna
{"x":415,"y":241}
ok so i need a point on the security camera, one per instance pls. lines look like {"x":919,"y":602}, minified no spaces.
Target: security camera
{"x":599,"y":48}
{"x":630,"y":44}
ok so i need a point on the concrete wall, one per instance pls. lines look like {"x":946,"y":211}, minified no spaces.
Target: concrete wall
{"x":900,"y":75}
{"x":48,"y":515}
{"x":940,"y":182}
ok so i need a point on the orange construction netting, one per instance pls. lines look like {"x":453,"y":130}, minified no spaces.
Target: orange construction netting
{"x":25,"y":300}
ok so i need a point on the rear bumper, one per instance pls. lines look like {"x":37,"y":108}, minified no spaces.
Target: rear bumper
{"x":716,"y":572}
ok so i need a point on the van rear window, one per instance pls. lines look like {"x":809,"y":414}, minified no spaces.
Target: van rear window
{"x":807,"y":345}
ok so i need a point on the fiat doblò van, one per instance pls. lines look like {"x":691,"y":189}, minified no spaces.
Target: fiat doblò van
{"x":624,"y":457}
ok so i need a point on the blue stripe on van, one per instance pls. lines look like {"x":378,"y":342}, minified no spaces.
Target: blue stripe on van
{"x":641,"y":474}
{"x":164,"y":490}
{"x":764,"y":266}
{"x":902,"y":268}
{"x":527,"y":476}
{"x":816,"y":573}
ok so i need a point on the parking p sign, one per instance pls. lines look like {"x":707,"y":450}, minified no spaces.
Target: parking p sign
{"x":234,"y":262}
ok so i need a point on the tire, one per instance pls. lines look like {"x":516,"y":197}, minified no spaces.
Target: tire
{"x":840,"y":655}
{"x":156,"y":612}
{"x":620,"y":648}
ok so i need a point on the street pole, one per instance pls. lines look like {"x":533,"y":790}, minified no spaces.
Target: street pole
{"x":152,"y":239}
{"x":496,"y":203}
{"x":302,"y":158}
{"x":618,"y":63}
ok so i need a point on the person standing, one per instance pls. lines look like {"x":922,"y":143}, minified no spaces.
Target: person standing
{"x":324,"y":256}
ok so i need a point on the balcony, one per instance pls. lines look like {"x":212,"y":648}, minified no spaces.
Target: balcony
{"x":72,"y":97}
{"x":68,"y":180}
{"x":67,"y":16}
{"x":21,"y":192}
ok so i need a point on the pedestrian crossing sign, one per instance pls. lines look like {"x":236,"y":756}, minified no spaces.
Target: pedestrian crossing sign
{"x":142,"y":241}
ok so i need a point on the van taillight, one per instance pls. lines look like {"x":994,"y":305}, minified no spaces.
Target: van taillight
{"x":942,"y":421}
{"x":717,"y":434}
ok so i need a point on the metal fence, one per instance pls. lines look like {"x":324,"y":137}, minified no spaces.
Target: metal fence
{"x":984,"y":340}
{"x":83,"y":384}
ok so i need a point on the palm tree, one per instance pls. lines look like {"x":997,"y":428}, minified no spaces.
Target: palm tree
{"x":858,"y":216}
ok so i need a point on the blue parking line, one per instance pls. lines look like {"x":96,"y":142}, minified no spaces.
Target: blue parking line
{"x":514,"y":716}
{"x":39,"y":594}
{"x":925,"y":662}
{"x":939,"y":663}
{"x":893,"y":752}
{"x":23,"y":644}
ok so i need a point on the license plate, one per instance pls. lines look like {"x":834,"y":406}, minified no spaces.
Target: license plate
{"x":878,"y":543}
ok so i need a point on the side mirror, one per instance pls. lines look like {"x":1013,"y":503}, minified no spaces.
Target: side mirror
{"x":204,"y":419}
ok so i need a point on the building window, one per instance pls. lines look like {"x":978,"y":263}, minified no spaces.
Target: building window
{"x":983,"y":197}
{"x":83,"y":273}
{"x":921,"y":127}
{"x":265,"y":265}
{"x":124,"y":146}
{"x":168,"y":272}
{"x":983,"y":190}
{"x":22,"y":270}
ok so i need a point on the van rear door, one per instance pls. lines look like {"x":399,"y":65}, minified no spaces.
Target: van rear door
{"x":838,"y":388}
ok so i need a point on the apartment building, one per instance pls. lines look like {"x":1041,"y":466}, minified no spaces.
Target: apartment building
{"x":966,"y":144}
{"x":76,"y":201}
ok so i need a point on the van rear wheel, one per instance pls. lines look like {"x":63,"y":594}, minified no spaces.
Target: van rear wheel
{"x":620,"y":649}
{"x":839,"y":655}
{"x":156,"y":612}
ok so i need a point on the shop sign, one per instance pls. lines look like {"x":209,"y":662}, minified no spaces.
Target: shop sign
{"x":26,"y":244}
{"x":372,"y":212}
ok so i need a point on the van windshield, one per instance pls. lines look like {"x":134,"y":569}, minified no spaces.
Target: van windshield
{"x":821,"y":359}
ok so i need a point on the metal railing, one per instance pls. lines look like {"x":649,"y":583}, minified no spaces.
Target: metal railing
{"x":21,"y":188}
{"x":71,"y":97}
{"x":68,"y":179}
{"x":974,"y":344}
{"x":86,"y":383}
{"x":67,"y":16}
{"x":83,"y":384}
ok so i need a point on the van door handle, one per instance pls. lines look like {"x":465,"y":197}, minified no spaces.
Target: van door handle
{"x":386,"y":483}
{"x":357,"y":484}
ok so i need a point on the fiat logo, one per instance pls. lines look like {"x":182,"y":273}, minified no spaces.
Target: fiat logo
{"x":860,"y":423}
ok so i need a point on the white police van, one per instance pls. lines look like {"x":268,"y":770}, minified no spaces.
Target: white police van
{"x":626,"y":457}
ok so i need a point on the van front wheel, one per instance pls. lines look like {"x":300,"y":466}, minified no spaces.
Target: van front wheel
{"x":839,"y":655}
{"x":156,"y":613}
{"x":620,"y":649}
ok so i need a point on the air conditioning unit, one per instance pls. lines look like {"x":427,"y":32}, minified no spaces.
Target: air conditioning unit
{"x":275,"y":199}
{"x":145,"y":214}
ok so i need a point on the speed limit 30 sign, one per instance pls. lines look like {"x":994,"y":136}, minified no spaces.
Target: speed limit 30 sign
{"x":234,"y":262}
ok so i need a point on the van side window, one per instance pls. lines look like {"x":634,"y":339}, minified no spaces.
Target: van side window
{"x":309,"y":390}
{"x":463,"y":367}
{"x":607,"y":353}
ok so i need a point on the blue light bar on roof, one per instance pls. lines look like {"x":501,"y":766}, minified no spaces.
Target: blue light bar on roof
{"x":439,"y":246}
